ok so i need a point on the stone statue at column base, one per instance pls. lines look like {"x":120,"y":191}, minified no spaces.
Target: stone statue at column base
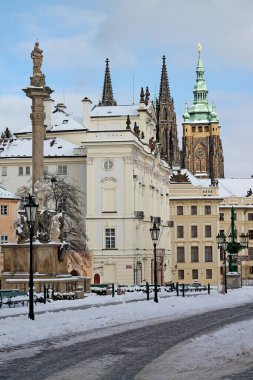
{"x":38,"y":80}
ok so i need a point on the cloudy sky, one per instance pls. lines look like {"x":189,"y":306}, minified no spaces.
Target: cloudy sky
{"x":77,"y":36}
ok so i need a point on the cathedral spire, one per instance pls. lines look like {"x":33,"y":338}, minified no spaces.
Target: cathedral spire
{"x":164,"y":95}
{"x":166,"y":121}
{"x":200,"y":109}
{"x":107,"y":96}
{"x":200,"y":90}
{"x":202,"y":152}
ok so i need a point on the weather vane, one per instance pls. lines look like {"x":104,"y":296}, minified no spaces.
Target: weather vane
{"x":199,"y":47}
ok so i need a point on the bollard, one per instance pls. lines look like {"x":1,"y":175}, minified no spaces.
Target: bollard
{"x":113,"y":290}
{"x":183,"y":290}
{"x":52,"y":294}
{"x":171,"y":287}
{"x":208,"y":288}
{"x":177,"y":289}
{"x":147,"y":290}
{"x":45,"y":293}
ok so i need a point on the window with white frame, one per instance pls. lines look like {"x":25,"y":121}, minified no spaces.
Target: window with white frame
{"x":62,"y":170}
{"x":195,"y":274}
{"x":110,"y":240}
{"x":208,"y":231}
{"x":195,"y":254}
{"x":194,"y":231}
{"x":180,"y":274}
{"x":4,"y":239}
{"x":180,"y":232}
{"x":180,"y":255}
{"x":208,"y":253}
{"x":209,"y":274}
{"x":250,"y":216}
{"x":207,"y":210}
{"x":194,"y":210}
{"x":27,"y":170}
{"x":20,"y":170}
{"x":4,"y":171}
{"x":180,"y":210}
{"x":4,"y":210}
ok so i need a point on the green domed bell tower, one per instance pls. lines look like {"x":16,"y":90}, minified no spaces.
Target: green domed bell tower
{"x":202,"y":152}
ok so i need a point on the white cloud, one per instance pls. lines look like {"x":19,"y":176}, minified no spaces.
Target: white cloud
{"x":14,"y":112}
{"x":77,"y":37}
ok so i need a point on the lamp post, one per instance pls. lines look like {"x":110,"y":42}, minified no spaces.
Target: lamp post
{"x":31,"y":210}
{"x":222,"y":243}
{"x":232,"y":246}
{"x":154,"y":232}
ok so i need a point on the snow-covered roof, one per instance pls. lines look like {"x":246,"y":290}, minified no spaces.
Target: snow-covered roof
{"x":4,"y":194}
{"x":107,"y":111}
{"x":232,"y":187}
{"x":22,"y":147}
{"x":227,"y":187}
{"x":60,"y":121}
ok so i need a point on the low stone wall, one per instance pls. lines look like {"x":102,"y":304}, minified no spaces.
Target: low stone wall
{"x":62,"y":284}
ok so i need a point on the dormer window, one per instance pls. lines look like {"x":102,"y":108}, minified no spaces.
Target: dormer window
{"x":65,"y":122}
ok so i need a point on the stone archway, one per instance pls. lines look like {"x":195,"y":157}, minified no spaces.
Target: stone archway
{"x":74,"y":272}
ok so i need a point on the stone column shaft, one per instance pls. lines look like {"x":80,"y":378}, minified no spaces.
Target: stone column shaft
{"x":38,"y":95}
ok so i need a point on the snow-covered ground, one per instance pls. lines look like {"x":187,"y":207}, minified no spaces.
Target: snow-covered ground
{"x":232,"y":344}
{"x":21,"y":330}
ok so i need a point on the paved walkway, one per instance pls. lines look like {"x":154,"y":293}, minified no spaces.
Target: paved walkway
{"x":142,"y":353}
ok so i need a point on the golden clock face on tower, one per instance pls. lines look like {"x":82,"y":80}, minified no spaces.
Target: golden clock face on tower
{"x":200,"y":153}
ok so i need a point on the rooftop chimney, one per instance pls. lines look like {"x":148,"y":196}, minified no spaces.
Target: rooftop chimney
{"x":86,"y":112}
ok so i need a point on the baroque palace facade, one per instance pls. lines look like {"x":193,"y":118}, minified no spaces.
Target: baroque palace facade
{"x":123,"y":158}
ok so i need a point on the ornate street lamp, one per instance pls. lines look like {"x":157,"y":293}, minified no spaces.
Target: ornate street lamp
{"x":154,"y":232}
{"x":31,"y":211}
{"x":222,"y":243}
{"x":232,"y":246}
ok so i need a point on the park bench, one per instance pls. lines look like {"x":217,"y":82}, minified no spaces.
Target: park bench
{"x":99,"y":289}
{"x":15,"y":297}
{"x":197,"y":288}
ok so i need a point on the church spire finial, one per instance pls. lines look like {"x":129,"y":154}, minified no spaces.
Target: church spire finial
{"x":199,"y":48}
{"x":200,"y":89}
{"x":107,"y":96}
{"x":164,"y":84}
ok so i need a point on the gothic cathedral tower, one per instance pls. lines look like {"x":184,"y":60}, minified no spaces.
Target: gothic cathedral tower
{"x":167,"y":124}
{"x":202,"y":151}
{"x":107,"y":96}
